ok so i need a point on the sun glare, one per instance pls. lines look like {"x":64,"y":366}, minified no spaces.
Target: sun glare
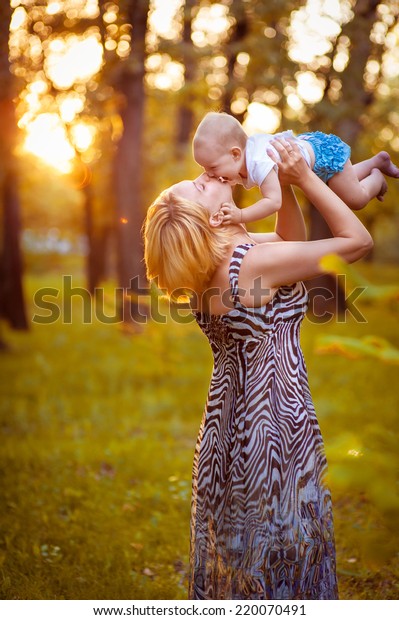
{"x":74,"y":59}
{"x":162,"y":16}
{"x":83,"y":136}
{"x":53,"y":131}
{"x":261,"y":118}
{"x":52,"y":122}
{"x":70,"y":106}
{"x":85,"y":8}
{"x":314,"y":25}
{"x":211,"y":25}
{"x":53,"y":8}
{"x":310,"y":88}
{"x":164,"y":73}
{"x":47,"y":138}
{"x":19,"y":19}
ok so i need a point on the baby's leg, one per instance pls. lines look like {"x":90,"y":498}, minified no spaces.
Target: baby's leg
{"x":382,"y":161}
{"x":355,"y":192}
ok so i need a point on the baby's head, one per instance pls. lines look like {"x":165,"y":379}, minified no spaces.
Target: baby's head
{"x":219,"y":147}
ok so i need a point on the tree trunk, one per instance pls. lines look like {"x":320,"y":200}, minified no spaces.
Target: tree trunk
{"x":12,"y":306}
{"x":326,"y":297}
{"x":185,"y":115}
{"x":232,"y":49}
{"x":129,"y":169}
{"x":91,"y":259}
{"x":355,"y":102}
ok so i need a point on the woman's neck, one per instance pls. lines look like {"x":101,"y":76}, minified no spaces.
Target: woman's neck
{"x":240,"y":234}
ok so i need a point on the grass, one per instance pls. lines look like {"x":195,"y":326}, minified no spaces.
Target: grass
{"x":98,"y":434}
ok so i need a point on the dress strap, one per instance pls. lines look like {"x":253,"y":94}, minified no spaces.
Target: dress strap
{"x":234,"y":269}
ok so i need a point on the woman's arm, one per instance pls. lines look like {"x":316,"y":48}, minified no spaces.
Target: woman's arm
{"x":290,"y":225}
{"x":287,"y":262}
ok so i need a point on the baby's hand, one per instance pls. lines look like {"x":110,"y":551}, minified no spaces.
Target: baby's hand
{"x":231,"y":213}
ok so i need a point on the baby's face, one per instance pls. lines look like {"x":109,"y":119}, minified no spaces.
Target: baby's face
{"x":225,"y":166}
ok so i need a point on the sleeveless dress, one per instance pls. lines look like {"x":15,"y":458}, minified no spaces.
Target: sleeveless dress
{"x":261,"y":520}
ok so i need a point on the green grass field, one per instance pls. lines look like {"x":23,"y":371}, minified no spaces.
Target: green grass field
{"x":98,"y":434}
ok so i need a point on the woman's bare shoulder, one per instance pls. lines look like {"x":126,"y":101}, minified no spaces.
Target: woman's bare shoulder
{"x":269,"y":237}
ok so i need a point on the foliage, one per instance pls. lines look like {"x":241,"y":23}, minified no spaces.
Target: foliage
{"x":377,"y":293}
{"x":98,"y":435}
{"x":48,"y":199}
{"x":356,"y":348}
{"x":248,"y":60}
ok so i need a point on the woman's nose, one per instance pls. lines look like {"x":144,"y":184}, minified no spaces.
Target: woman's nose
{"x":204,"y":177}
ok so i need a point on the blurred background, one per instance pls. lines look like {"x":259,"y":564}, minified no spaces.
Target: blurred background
{"x":103,"y":385}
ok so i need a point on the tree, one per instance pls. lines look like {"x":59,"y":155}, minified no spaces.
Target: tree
{"x":129,"y":162}
{"x":39,"y":30}
{"x":262,"y":31}
{"x":345,"y":120}
{"x":12,"y":306}
{"x":185,"y":115}
{"x":235,"y":44}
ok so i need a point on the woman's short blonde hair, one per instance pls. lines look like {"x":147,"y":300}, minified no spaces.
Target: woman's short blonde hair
{"x":181,"y":248}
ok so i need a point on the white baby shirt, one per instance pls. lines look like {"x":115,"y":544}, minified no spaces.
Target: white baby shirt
{"x":258,"y":162}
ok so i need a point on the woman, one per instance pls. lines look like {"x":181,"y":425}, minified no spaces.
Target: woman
{"x":261,"y":513}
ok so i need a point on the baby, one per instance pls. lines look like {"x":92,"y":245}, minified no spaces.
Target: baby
{"x":224,"y":150}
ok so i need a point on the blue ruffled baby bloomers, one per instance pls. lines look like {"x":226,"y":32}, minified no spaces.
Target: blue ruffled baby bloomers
{"x":331,"y":153}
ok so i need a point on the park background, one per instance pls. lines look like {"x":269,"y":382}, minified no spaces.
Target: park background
{"x":99,"y":416}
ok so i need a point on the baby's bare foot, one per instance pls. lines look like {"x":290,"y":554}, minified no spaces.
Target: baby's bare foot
{"x":386,"y":165}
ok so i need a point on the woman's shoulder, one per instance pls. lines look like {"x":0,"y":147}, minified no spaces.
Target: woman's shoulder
{"x":267,"y":237}
{"x":254,"y":289}
{"x":265,"y":253}
{"x":260,"y":262}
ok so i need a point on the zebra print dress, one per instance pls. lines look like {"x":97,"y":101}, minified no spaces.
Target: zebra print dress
{"x":261,"y":523}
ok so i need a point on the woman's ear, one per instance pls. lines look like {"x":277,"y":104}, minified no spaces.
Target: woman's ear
{"x":216,"y":219}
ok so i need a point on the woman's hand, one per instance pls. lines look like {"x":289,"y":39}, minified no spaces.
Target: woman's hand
{"x":292,"y":166}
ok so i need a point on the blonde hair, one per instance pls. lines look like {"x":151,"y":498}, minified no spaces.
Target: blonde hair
{"x":222,"y":127}
{"x":181,"y":248}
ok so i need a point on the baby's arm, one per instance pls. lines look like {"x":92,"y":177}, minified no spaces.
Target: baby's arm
{"x":269,"y":204}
